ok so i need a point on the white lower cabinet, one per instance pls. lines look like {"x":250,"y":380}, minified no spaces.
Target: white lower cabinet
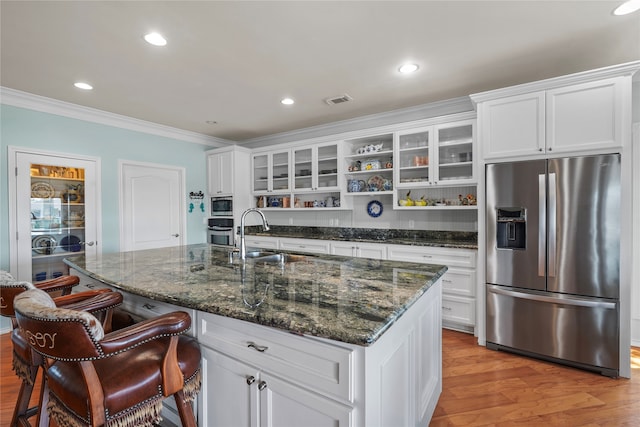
{"x":263,"y":242}
{"x":304,"y":245}
{"x":359,"y":249}
{"x":255,"y":376}
{"x":458,"y":283}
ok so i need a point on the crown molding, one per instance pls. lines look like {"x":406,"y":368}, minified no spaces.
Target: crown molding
{"x":626,"y":69}
{"x":424,"y":111}
{"x":43,"y":104}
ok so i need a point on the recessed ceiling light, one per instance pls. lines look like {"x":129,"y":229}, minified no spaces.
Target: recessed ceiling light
{"x":155,"y":39}
{"x":83,"y":86}
{"x":627,"y":7}
{"x":287,"y":101}
{"x":408,"y":68}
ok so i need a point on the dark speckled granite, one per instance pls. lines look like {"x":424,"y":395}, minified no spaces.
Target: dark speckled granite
{"x":445,"y":239}
{"x":352,"y":300}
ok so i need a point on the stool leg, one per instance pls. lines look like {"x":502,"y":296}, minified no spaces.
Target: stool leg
{"x":24,"y":396}
{"x":185,"y":410}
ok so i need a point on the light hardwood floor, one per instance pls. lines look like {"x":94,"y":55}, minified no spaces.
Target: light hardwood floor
{"x":485,"y":388}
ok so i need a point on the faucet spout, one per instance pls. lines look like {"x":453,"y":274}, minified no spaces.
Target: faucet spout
{"x":265,"y":226}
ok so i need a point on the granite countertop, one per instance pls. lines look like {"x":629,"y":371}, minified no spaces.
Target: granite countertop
{"x":443,"y":239}
{"x":353,"y":300}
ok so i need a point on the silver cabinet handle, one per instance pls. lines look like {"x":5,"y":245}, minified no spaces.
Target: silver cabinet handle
{"x":176,"y":235}
{"x":260,"y":348}
{"x":251,"y":379}
{"x":149,"y":306}
{"x":262,"y":385}
{"x":89,"y":243}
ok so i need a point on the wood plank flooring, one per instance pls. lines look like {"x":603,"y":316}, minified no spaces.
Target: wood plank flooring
{"x":485,"y":388}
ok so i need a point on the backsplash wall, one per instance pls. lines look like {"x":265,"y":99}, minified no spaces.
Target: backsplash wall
{"x":435,"y":220}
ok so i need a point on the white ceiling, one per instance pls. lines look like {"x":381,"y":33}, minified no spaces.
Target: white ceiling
{"x":232,"y":61}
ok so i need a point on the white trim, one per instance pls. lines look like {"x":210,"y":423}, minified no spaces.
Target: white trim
{"x":12,"y":152}
{"x":627,"y":69}
{"x":635,"y":268}
{"x":365,"y":123}
{"x":43,"y":104}
{"x":182,"y":189}
{"x":364,"y":133}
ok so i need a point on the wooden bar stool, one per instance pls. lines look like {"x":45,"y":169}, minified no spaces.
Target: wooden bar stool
{"x":115,"y":379}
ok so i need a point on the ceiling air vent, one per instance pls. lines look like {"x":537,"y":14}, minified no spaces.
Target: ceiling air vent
{"x":338,"y":99}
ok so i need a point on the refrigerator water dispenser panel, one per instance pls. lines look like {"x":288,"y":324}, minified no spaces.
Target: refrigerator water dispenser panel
{"x":511,"y":228}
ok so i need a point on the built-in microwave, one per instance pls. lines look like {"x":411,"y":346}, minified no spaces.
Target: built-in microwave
{"x":222,"y":206}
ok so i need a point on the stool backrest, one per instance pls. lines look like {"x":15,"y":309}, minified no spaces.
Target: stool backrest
{"x":57,"y":333}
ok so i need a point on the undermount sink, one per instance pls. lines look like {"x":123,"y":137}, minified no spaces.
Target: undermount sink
{"x":279,"y":258}
{"x":259,"y":253}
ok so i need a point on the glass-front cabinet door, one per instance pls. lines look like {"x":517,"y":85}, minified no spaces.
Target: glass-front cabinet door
{"x":455,"y":152}
{"x":271,"y":172}
{"x":55,"y":214}
{"x":413,"y":157}
{"x":315,"y":167}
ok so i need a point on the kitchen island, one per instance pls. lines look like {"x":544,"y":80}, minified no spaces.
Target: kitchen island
{"x":296,"y":339}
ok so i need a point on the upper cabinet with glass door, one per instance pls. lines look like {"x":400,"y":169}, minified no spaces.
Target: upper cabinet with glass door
{"x":315,"y":168}
{"x":271,"y":172}
{"x":436,"y":155}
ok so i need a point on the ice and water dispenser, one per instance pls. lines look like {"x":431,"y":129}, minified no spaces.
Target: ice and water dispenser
{"x":511,"y":228}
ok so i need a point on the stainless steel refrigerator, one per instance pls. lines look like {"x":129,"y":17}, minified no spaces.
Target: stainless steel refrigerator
{"x":553,"y":260}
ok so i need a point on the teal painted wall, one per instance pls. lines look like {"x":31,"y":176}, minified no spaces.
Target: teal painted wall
{"x":42,"y":131}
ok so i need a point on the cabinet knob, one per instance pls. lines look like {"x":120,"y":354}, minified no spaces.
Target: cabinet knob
{"x":540,"y":149}
{"x":262,"y":385}
{"x":175,"y":235}
{"x":251,"y":379}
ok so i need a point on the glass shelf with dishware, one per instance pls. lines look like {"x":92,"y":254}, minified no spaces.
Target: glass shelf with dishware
{"x":315,"y":167}
{"x":436,"y":198}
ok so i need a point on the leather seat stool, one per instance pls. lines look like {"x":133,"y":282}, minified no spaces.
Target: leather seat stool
{"x":114,"y":379}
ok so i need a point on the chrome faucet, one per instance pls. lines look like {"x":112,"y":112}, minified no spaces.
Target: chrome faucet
{"x":265,"y":226}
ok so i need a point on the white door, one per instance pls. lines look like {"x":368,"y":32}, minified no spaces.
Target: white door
{"x":54,"y":199}
{"x":152,"y":207}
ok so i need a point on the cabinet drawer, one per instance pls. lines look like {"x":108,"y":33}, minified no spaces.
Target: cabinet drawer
{"x":459,"y":310}
{"x":459,"y":282}
{"x":320,"y":366}
{"x":146,"y":308}
{"x":305,"y":245}
{"x":445,"y":256}
{"x":261,"y":242}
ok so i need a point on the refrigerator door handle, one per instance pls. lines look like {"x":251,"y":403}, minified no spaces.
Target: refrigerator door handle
{"x":542,"y":232}
{"x":554,"y":300}
{"x":552,"y":224}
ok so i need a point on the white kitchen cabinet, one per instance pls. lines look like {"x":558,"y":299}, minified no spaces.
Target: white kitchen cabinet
{"x":270,"y":172}
{"x":435,"y":165}
{"x":368,"y":165}
{"x":359,"y":249}
{"x":559,"y":120}
{"x":259,"y":376}
{"x":304,"y":245}
{"x":220,"y":169}
{"x":263,"y":242}
{"x":458,"y":283}
{"x":315,"y":167}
